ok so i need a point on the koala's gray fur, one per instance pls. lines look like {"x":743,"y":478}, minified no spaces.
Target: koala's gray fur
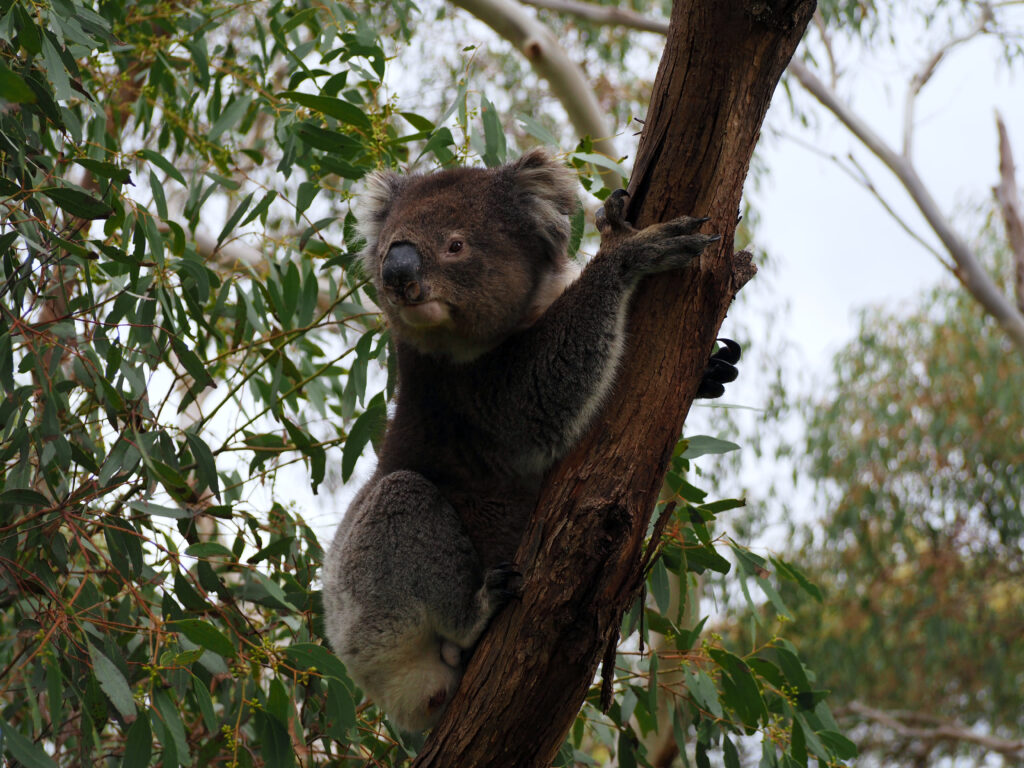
{"x":503,"y":360}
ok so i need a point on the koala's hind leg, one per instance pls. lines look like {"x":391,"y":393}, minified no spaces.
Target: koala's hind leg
{"x":405,"y":597}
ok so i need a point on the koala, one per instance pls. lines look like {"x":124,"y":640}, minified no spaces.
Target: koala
{"x":504,"y":356}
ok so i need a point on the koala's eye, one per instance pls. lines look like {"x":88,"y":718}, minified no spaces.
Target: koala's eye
{"x":455,"y":246}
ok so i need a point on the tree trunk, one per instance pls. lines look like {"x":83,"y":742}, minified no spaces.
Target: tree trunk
{"x":582,"y":553}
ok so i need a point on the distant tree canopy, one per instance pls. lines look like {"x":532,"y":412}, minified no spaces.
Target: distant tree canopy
{"x":918,"y":448}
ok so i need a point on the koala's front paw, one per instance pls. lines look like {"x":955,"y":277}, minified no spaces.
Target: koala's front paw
{"x":611,"y":217}
{"x":720,"y":370}
{"x":658,"y":248}
{"x":661,"y":247}
{"x":503,"y":583}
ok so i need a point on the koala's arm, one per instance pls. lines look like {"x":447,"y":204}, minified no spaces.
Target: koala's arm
{"x":566,"y":363}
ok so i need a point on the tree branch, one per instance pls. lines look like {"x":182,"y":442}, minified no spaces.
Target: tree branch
{"x":969,"y":270}
{"x":942,"y":730}
{"x":928,"y":69}
{"x":603,"y":14}
{"x":549,"y":59}
{"x":1008,"y":198}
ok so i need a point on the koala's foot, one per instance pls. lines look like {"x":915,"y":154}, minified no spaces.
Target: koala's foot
{"x":720,"y":370}
{"x":658,"y":248}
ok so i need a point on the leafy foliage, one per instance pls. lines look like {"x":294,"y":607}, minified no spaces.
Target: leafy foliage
{"x":918,"y":449}
{"x":183,"y":334}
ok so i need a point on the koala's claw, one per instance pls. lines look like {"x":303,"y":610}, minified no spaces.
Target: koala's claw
{"x":721,"y":369}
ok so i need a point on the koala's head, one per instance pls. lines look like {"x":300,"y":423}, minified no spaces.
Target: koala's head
{"x":462,"y":258}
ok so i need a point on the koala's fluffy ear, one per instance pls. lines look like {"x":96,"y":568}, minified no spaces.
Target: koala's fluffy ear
{"x":382,"y":187}
{"x":549,"y":187}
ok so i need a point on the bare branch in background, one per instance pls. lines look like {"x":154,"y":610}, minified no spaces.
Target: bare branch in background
{"x":969,"y":269}
{"x":826,"y":41}
{"x":929,"y":68}
{"x":603,"y":14}
{"x":937,"y":730}
{"x":549,"y":59}
{"x":1008,"y":197}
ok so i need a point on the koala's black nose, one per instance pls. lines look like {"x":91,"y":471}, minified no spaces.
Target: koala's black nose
{"x":400,"y":272}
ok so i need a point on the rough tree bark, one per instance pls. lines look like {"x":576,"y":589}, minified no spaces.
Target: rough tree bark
{"x":582,"y":555}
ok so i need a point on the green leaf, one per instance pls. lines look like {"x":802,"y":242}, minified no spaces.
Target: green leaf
{"x":790,"y":571}
{"x":840,"y":746}
{"x":341,"y":710}
{"x":29,"y":754}
{"x":370,"y":423}
{"x":163,"y":164}
{"x":700,"y":445}
{"x":310,"y":657}
{"x":703,"y":691}
{"x":659,"y":584}
{"x":113,"y":683}
{"x":193,"y":364}
{"x":23,"y":497}
{"x":205,"y":635}
{"x":438,"y":144}
{"x":231,"y":115}
{"x":56,"y":72}
{"x":536,"y":129}
{"x":138,"y":745}
{"x":104,"y":170}
{"x":206,"y":467}
{"x":209,"y":549}
{"x":744,"y":696}
{"x":730,"y":754}
{"x":78,"y":203}
{"x":261,"y":207}
{"x":237,"y":214}
{"x":342,"y":111}
{"x":13,"y":89}
{"x":170,"y":718}
{"x":495,"y":148}
{"x":275,"y":745}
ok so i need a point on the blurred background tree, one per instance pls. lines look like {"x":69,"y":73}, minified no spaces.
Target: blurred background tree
{"x":917,"y":447}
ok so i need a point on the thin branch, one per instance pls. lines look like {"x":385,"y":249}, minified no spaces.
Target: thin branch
{"x":943,"y":730}
{"x":929,"y":68}
{"x":603,"y":14}
{"x":826,"y":40}
{"x":549,"y":59}
{"x":969,"y":270}
{"x":864,"y":179}
{"x":1008,"y":197}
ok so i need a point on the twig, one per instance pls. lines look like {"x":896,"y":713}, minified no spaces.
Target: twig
{"x":928,"y":69}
